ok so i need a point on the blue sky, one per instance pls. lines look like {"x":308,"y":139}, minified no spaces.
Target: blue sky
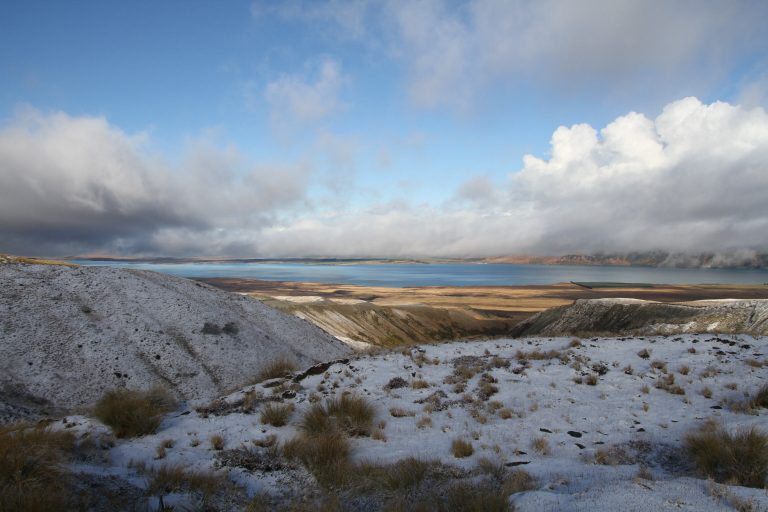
{"x":352,"y":107}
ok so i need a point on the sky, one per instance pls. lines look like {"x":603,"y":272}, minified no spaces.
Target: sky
{"x":391,"y":128}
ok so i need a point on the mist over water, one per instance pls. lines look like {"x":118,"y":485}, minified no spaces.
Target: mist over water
{"x":448,"y":274}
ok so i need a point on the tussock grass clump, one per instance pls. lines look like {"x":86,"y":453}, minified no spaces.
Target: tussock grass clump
{"x":667,"y":383}
{"x":591,"y":379}
{"x":644,"y":353}
{"x":419,"y":384}
{"x":541,"y":445}
{"x":217,"y":442}
{"x":276,"y":415}
{"x":324,"y":454}
{"x":739,"y":456}
{"x":279,"y":367}
{"x":132,"y":413}
{"x":461,"y":448}
{"x":350,"y":414}
{"x":31,"y":474}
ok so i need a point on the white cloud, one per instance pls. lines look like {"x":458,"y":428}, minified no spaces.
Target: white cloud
{"x":454,"y":51}
{"x":73,"y":184}
{"x":694,"y":178}
{"x":301,"y":100}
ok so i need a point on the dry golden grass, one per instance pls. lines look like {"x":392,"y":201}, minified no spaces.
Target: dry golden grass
{"x":32,"y":477}
{"x":419,"y":384}
{"x":591,"y":379}
{"x":739,"y":457}
{"x":464,"y":497}
{"x":279,"y":367}
{"x":275,"y":414}
{"x":217,"y":442}
{"x":133,"y":413}
{"x":461,"y":448}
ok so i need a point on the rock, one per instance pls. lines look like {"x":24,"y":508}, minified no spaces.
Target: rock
{"x":573,"y":433}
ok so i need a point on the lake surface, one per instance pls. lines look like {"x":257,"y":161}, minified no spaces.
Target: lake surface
{"x":448,"y":274}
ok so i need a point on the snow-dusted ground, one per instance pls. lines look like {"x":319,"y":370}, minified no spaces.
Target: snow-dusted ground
{"x":542,"y":401}
{"x":69,"y":333}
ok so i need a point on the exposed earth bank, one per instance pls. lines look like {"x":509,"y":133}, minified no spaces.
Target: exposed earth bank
{"x":634,"y":316}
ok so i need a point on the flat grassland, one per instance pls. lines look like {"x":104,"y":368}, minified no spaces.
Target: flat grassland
{"x":396,"y":316}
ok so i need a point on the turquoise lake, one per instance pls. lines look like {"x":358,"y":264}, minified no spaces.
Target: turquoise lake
{"x":447,"y":274}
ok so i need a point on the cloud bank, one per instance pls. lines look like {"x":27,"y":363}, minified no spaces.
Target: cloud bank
{"x":693,"y":179}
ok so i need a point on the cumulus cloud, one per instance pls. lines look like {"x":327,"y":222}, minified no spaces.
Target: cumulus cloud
{"x":692,"y":179}
{"x":300,"y":100}
{"x":453,"y":51}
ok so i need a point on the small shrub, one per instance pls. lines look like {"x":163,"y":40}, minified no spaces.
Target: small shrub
{"x":211,"y":328}
{"x":740,"y":457}
{"x":419,"y":384}
{"x":424,"y":422}
{"x":575,"y":343}
{"x":659,"y":365}
{"x":133,"y":413}
{"x":217,"y":442}
{"x":279,"y":367}
{"x":706,"y":392}
{"x":644,"y":353}
{"x":684,"y":370}
{"x":230,"y":328}
{"x":461,"y":448}
{"x":276,"y":414}
{"x":591,"y":379}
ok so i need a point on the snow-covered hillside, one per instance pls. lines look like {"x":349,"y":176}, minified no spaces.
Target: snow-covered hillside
{"x":598,"y":423}
{"x":67,"y":334}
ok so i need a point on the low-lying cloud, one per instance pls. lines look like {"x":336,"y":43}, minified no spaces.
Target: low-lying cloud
{"x":693,"y":179}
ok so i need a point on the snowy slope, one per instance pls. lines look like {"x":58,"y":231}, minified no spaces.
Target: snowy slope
{"x":623,"y":415}
{"x":69,"y":333}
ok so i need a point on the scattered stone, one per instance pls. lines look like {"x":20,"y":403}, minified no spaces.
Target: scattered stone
{"x":573,"y":433}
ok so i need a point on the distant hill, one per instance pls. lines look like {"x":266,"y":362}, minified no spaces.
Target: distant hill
{"x":648,"y":259}
{"x":642,"y":317}
{"x":737,"y":259}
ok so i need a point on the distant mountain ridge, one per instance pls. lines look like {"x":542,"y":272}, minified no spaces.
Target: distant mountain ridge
{"x":740,"y":259}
